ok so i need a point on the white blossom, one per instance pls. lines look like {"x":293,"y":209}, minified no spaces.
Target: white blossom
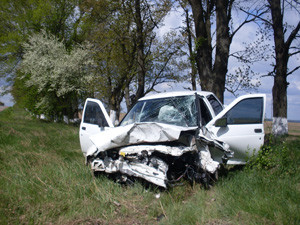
{"x":53,"y":68}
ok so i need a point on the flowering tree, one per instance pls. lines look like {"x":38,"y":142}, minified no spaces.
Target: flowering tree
{"x":59,"y":76}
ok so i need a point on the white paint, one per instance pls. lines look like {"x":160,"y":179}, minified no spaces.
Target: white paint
{"x":66,"y":119}
{"x":113,"y":116}
{"x":87,"y":129}
{"x":280,"y":126}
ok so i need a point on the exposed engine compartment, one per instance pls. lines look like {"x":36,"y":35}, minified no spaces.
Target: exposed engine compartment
{"x":171,"y":155}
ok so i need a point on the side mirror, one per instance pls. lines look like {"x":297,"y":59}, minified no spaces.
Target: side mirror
{"x":222,"y":122}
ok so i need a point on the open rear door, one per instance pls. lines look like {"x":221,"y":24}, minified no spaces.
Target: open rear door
{"x":241,"y":125}
{"x":94,"y":119}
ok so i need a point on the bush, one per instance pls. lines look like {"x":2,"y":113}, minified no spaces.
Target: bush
{"x":276,"y":156}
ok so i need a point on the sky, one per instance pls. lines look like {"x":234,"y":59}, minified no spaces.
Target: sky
{"x":246,"y":34}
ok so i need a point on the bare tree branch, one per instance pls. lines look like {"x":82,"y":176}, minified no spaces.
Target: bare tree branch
{"x":270,"y":74}
{"x":292,"y":71}
{"x":259,"y":16}
{"x":292,"y":6}
{"x":294,"y":53}
{"x":292,"y":36}
{"x":255,"y":16}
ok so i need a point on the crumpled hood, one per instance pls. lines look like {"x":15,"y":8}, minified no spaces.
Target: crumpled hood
{"x":136,"y":133}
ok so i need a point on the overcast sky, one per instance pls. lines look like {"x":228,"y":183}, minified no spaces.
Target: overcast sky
{"x":246,"y":34}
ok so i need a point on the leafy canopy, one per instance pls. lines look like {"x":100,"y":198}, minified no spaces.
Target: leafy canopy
{"x":55,"y":71}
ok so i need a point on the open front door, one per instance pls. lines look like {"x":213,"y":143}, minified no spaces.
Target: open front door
{"x":241,"y":126}
{"x":94,"y":119}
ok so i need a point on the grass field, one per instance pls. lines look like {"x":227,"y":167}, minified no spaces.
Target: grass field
{"x":43,"y":180}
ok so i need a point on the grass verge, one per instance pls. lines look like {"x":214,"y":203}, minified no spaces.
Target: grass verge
{"x":43,"y":180}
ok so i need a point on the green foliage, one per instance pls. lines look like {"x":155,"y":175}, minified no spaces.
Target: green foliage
{"x":275,"y":157}
{"x":23,"y":95}
{"x":200,"y":42}
{"x":19,"y":19}
{"x":117,"y":40}
{"x":111,"y":27}
{"x":56,"y":75}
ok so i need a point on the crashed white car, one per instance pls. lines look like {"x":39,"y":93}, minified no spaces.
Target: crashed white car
{"x":169,"y":136}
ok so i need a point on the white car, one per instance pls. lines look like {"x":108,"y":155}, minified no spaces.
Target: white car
{"x":169,"y":136}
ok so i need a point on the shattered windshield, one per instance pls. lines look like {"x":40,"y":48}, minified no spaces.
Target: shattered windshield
{"x":179,"y":110}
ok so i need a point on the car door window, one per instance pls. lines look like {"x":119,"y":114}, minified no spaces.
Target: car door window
{"x":94,"y":115}
{"x":247,"y":111}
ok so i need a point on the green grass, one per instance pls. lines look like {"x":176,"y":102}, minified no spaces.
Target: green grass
{"x":43,"y":179}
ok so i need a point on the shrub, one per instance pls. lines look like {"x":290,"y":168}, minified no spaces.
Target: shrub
{"x":275,"y":155}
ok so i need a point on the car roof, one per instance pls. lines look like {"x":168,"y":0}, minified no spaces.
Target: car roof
{"x":174,"y":94}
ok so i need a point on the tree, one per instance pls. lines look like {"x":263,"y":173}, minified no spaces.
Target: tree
{"x":111,"y":31}
{"x":212,"y":61}
{"x":24,"y":96}
{"x":162,"y":63}
{"x":131,"y":60}
{"x":188,"y":35}
{"x":148,"y":15}
{"x":283,"y":47}
{"x":57,"y":75}
{"x":19,"y":19}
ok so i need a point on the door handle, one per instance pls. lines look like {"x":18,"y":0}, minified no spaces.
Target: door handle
{"x":83,"y":128}
{"x":258,"y":130}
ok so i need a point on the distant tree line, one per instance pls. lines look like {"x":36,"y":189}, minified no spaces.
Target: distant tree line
{"x":56,"y":53}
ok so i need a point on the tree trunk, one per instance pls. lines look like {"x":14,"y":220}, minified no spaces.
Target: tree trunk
{"x":127,"y":98}
{"x":222,"y":47}
{"x":212,"y":78}
{"x":191,"y":53}
{"x":279,"y":91}
{"x":203,"y":44}
{"x":114,"y":112}
{"x":140,"y":52}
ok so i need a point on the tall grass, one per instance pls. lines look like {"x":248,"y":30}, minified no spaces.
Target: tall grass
{"x":43,"y":180}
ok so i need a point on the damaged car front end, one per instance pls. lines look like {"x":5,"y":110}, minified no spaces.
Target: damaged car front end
{"x":161,"y":140}
{"x":158,"y":153}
